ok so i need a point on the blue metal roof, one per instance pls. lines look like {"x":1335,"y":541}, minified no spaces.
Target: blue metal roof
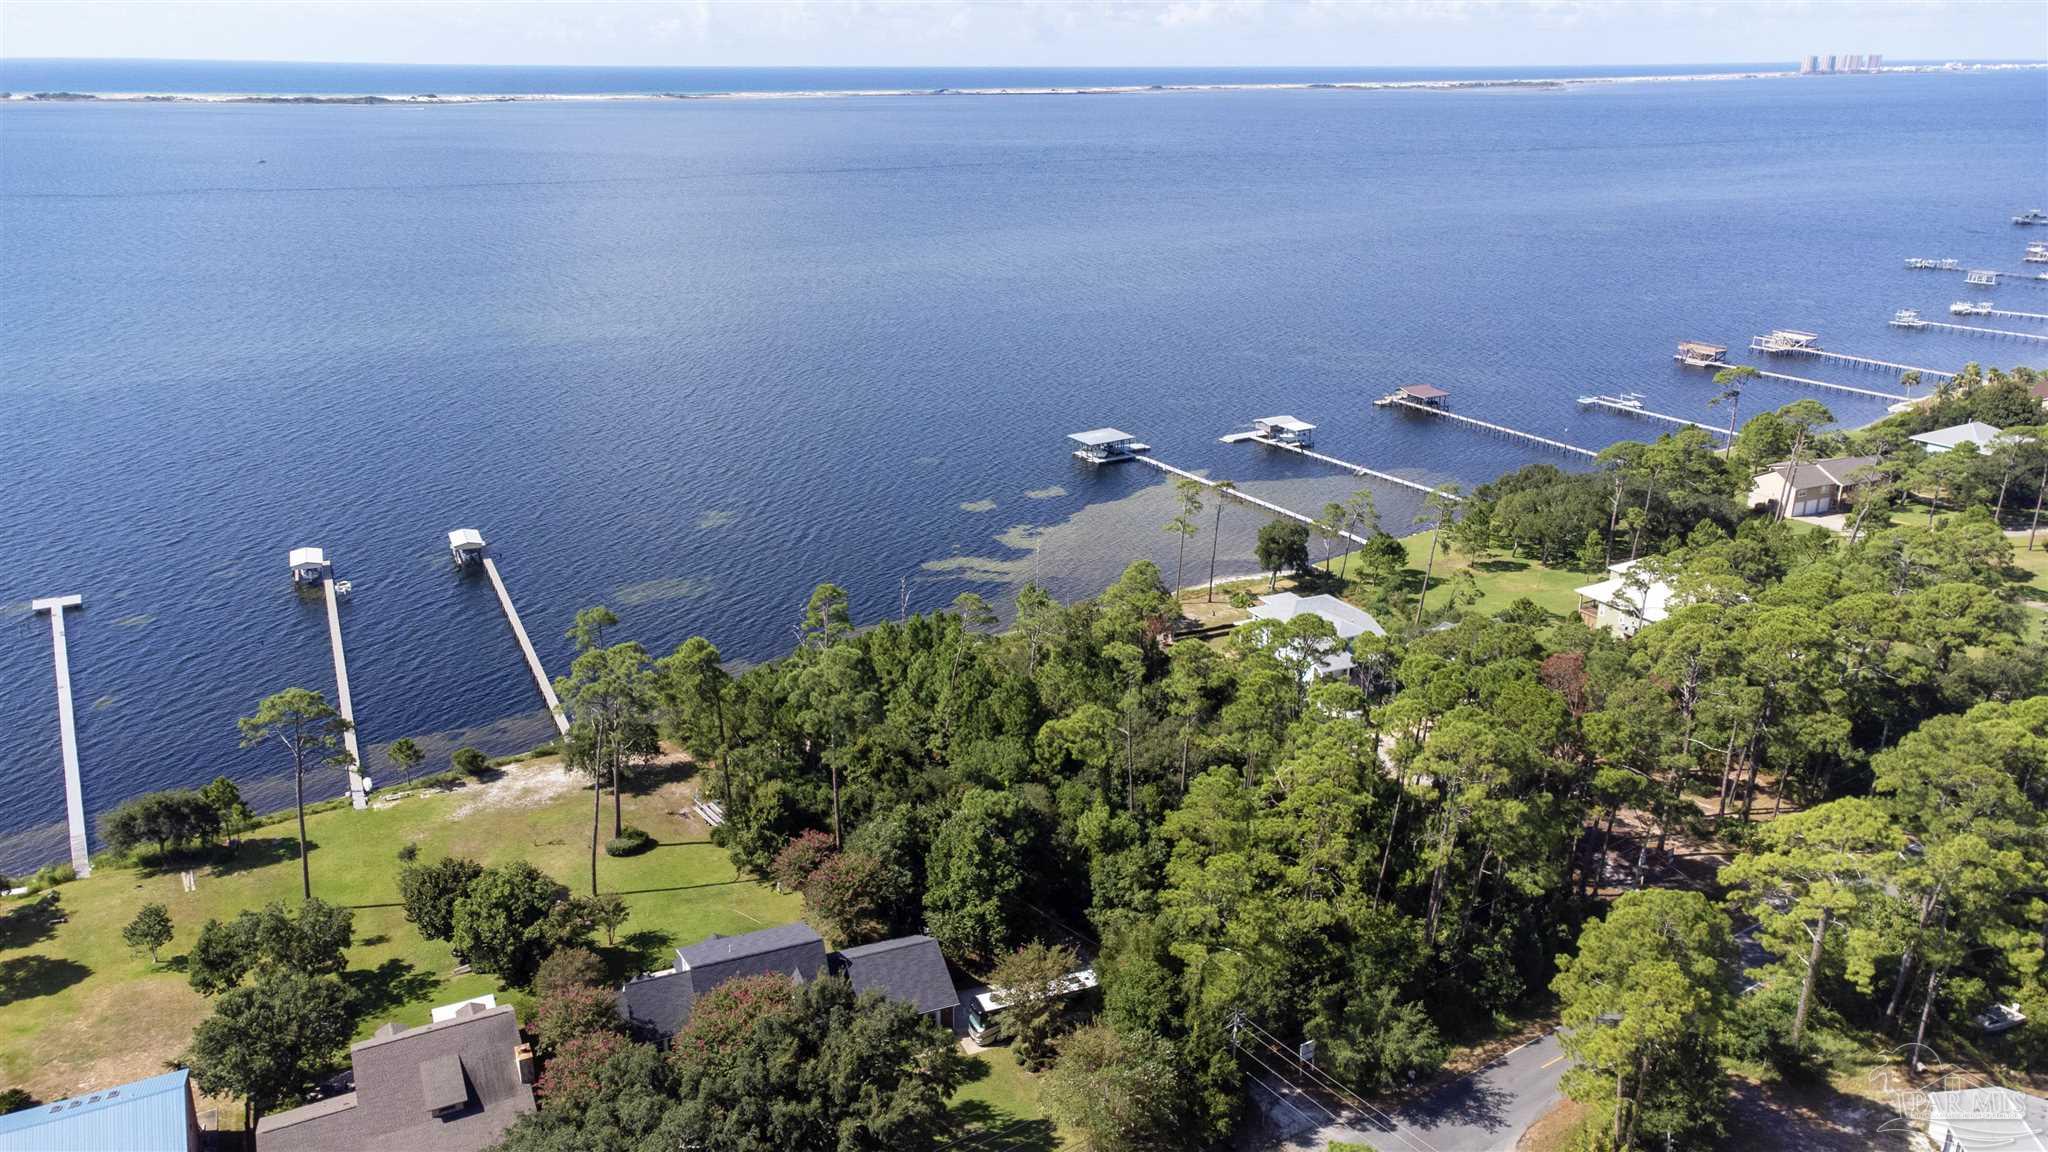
{"x":150,"y":1115}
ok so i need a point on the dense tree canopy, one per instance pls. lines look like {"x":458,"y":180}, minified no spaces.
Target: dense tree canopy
{"x":1484,"y":811}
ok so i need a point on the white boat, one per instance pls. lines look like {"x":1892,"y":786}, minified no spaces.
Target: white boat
{"x":1965,"y":308}
{"x":343,"y":587}
{"x":2031,"y":216}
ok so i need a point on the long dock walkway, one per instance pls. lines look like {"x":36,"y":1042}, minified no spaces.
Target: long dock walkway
{"x":67,"y":730}
{"x":1238,"y":494}
{"x":1812,"y":383}
{"x":1496,"y":429}
{"x":1354,"y":469}
{"x":533,"y":664}
{"x":1971,"y":329}
{"x":342,"y":699}
{"x":1866,"y":361}
{"x":1633,"y":410}
{"x":1987,"y":310}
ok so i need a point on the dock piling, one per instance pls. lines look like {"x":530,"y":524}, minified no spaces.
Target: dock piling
{"x":67,"y":730}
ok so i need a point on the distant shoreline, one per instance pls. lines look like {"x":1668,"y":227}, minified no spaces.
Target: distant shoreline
{"x":1443,"y":85}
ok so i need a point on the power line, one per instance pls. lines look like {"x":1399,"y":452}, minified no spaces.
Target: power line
{"x":1332,"y":1085}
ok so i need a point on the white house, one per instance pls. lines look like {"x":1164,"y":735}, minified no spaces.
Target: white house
{"x":1349,"y":621}
{"x":1981,"y":437}
{"x":1986,"y":1119}
{"x":1621,"y":604}
{"x":1815,"y":488}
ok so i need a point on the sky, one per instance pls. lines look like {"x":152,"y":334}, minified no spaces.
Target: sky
{"x":1036,"y":33}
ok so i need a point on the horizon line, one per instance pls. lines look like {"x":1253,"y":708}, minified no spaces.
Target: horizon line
{"x":6,"y":58}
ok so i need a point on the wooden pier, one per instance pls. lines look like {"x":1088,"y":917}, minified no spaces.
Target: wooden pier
{"x":533,"y":664}
{"x":1616,"y":404}
{"x":67,"y":730}
{"x":1908,"y":318}
{"x":1985,"y":308}
{"x":342,"y":700}
{"x":1785,"y":342}
{"x":1485,"y":425}
{"x":1354,"y":469}
{"x":1849,"y":388}
{"x":1239,"y":494}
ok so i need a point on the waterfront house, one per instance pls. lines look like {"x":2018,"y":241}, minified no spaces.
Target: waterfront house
{"x":1978,"y":436}
{"x":153,"y":1115}
{"x":1625,"y":601}
{"x":910,"y":968}
{"x":1349,"y":620}
{"x":1815,"y":488}
{"x":451,"y":1086}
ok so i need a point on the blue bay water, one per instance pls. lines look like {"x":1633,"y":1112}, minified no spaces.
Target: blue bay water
{"x":692,"y":358}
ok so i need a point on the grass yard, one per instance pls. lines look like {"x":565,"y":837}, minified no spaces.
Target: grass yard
{"x":79,"y":1010}
{"x":1000,"y":1108}
{"x":1502,"y":580}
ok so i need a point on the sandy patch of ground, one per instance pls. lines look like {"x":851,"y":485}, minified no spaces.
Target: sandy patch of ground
{"x":525,"y":785}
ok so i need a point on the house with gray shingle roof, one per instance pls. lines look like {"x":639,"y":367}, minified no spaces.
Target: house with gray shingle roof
{"x":451,"y":1086}
{"x":910,"y":969}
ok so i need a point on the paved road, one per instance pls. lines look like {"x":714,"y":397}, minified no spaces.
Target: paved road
{"x":1484,"y":1112}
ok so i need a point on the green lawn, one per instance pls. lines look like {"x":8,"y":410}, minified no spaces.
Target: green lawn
{"x":78,"y":1010}
{"x":1502,"y":579}
{"x":1000,"y":1109}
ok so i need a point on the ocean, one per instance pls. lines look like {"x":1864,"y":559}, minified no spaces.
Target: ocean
{"x":690,"y":358}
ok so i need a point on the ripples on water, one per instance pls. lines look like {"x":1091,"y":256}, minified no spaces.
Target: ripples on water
{"x":693,"y":358}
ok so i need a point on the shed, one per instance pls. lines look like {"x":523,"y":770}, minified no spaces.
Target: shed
{"x":466,"y":545}
{"x":1700,"y":354}
{"x":1285,"y":429}
{"x":1425,"y":393}
{"x":153,"y":1115}
{"x":309,"y":565}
